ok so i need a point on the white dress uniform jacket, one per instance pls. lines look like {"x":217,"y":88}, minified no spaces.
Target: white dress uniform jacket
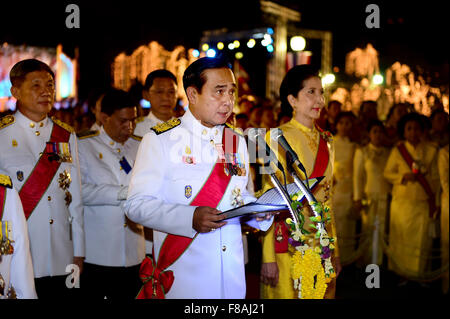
{"x":161,"y":188}
{"x":55,"y":230}
{"x":142,"y":128}
{"x":17,"y":269}
{"x":112,"y":241}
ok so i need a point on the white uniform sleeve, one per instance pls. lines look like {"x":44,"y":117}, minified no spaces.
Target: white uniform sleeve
{"x":76,"y":206}
{"x":22,"y":276}
{"x":145,"y":204}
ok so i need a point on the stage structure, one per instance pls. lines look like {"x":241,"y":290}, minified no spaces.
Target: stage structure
{"x":64,"y":67}
{"x":129,"y":69}
{"x":280,"y":26}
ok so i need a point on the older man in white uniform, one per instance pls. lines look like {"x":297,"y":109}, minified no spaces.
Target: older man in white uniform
{"x":41,"y":156}
{"x":16,"y":267}
{"x":116,"y":245}
{"x":182,"y":180}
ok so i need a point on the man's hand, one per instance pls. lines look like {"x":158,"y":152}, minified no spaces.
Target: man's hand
{"x":206,"y":219}
{"x":269,"y":274}
{"x":79,"y":261}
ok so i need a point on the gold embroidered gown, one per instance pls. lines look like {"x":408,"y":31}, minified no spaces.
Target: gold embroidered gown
{"x":304,"y":142}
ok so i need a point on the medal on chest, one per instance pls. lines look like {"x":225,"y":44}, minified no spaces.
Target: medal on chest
{"x":64,"y":183}
{"x":6,"y":247}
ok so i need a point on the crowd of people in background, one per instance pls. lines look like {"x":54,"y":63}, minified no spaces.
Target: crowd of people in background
{"x":365,"y":168}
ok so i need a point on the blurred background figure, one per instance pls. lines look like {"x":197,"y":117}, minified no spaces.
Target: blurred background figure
{"x":396,"y":112}
{"x":343,"y":186}
{"x":371,"y":190}
{"x":413,"y":205}
{"x":439,"y":133}
{"x":367,"y":113}
{"x":443,"y":174}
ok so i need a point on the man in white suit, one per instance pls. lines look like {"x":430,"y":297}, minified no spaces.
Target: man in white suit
{"x":183,"y":179}
{"x":16,"y":267}
{"x":41,"y":156}
{"x":116,"y":245}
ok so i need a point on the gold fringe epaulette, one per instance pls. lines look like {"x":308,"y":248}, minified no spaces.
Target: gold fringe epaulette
{"x":87,"y":133}
{"x":164,"y":127}
{"x":6,"y":120}
{"x":5,"y":181}
{"x":236,"y":130}
{"x":140,"y":119}
{"x":65,"y":126}
{"x":136,"y":137}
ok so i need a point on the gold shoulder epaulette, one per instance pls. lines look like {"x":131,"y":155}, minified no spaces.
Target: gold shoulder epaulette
{"x":140,"y":119}
{"x":236,"y":130}
{"x":5,"y":180}
{"x":164,"y":127}
{"x":65,"y":126}
{"x":136,"y":137}
{"x":6,"y":120}
{"x":87,"y":133}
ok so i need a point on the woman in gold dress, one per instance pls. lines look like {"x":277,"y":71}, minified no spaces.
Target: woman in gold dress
{"x":301,"y":92}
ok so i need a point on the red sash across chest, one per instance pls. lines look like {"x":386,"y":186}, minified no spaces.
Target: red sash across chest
{"x":157,"y":280}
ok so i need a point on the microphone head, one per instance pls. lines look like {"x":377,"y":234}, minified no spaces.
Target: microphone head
{"x":254,"y":134}
{"x":275,"y":134}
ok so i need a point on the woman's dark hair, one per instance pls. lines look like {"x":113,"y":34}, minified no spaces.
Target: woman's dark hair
{"x":293,"y":82}
{"x":348,"y":114}
{"x":410,"y":117}
{"x":194,"y":73}
{"x":374,"y":123}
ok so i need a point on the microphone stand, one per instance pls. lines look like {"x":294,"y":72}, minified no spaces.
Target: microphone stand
{"x":284,"y":193}
{"x":305,"y":190}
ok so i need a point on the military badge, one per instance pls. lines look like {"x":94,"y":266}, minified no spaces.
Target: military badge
{"x":236,"y":197}
{"x":58,"y":151}
{"x":5,"y":181}
{"x":187,"y":150}
{"x":188,"y":159}
{"x":14,"y":143}
{"x":125,"y":165}
{"x":188,"y":191}
{"x":19,"y":176}
{"x":6,"y":247}
{"x":64,"y":183}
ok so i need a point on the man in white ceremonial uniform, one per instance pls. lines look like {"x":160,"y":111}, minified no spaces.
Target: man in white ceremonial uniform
{"x":180,"y":166}
{"x":116,"y":245}
{"x":41,"y":156}
{"x":16,"y":267}
{"x":160,"y":89}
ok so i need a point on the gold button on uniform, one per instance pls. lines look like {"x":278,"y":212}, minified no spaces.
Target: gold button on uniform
{"x":204,"y":132}
{"x":37,"y":133}
{"x":111,"y":143}
{"x":125,"y":225}
{"x":41,"y":124}
{"x":49,"y":198}
{"x":51,"y":221}
{"x":31,"y":124}
{"x":224,"y":248}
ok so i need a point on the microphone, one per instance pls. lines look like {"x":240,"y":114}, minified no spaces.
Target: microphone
{"x":277,"y":136}
{"x":256,"y":135}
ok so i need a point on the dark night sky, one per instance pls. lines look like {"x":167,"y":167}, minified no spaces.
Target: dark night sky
{"x":411,"y":32}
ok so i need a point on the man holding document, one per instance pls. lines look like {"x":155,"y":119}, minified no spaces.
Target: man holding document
{"x":187,"y":172}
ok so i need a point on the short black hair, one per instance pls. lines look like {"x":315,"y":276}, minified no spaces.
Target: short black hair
{"x":194,"y":73}
{"x":378,"y":123}
{"x":20,"y":70}
{"x":114,"y":100}
{"x":293,"y":82}
{"x":160,"y":73}
{"x":410,"y":117}
{"x":343,"y":114}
